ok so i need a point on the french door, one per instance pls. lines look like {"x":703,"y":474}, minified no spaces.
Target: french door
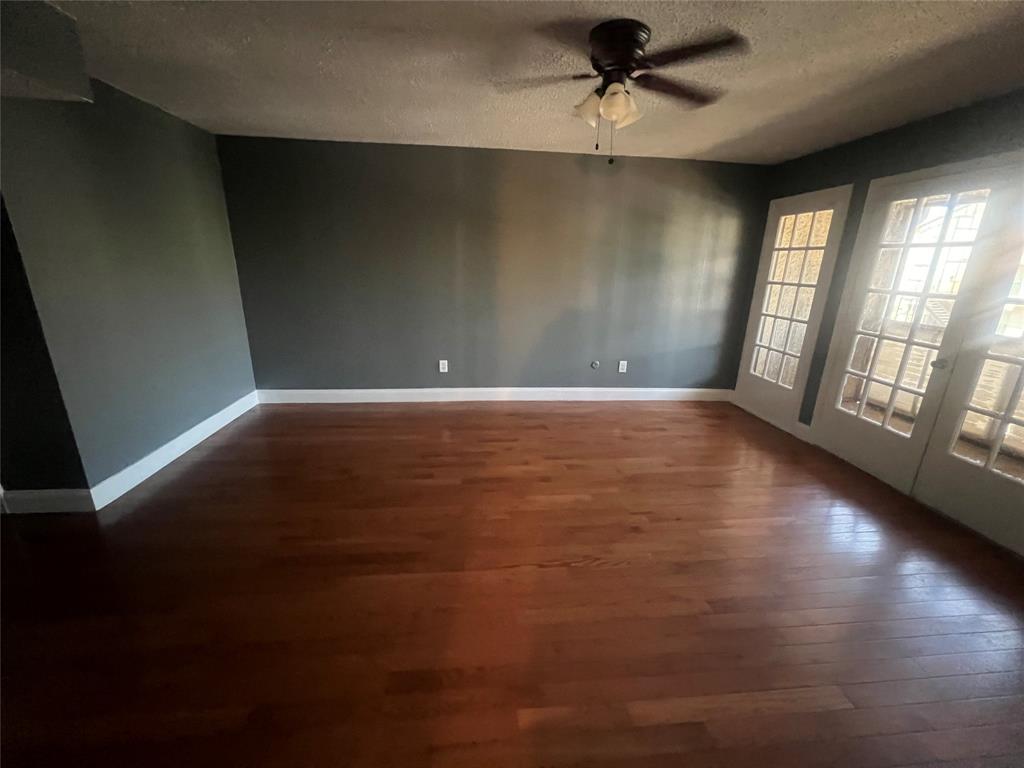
{"x":922,"y":383}
{"x":973,"y":467}
{"x":797,"y":257}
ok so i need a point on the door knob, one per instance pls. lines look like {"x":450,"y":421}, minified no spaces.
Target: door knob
{"x":941,"y":364}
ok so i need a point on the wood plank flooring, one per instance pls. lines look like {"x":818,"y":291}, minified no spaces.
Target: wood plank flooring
{"x":509,"y":585}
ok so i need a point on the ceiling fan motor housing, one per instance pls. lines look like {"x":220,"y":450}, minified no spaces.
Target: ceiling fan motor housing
{"x":617,"y":48}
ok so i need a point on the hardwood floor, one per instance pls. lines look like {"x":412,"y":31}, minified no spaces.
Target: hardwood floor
{"x":509,"y":585}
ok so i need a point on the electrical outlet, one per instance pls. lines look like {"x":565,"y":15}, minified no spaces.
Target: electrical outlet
{"x":622,"y":366}
{"x":442,"y":366}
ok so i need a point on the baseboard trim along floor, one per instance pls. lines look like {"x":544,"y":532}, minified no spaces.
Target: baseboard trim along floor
{"x":103,"y":493}
{"x":490,"y":394}
{"x":99,"y":496}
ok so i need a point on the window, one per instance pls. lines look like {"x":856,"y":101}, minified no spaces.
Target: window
{"x":789,"y":294}
{"x":919,"y":265}
{"x":991,"y":429}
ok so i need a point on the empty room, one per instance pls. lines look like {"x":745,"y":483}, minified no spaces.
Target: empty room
{"x":512,"y":384}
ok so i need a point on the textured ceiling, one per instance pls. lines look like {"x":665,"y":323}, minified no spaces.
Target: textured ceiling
{"x":819,"y":73}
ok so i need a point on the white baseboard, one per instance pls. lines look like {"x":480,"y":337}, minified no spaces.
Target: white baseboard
{"x":120,"y":483}
{"x":96,"y":498}
{"x":49,"y":500}
{"x":488,"y":394}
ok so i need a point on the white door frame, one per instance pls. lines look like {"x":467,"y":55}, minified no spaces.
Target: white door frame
{"x":767,"y":400}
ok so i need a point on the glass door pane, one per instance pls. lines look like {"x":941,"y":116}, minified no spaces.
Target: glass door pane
{"x":800,"y":240}
{"x":990,"y":433}
{"x":919,"y":266}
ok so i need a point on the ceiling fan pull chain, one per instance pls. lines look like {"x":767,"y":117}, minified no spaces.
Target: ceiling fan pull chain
{"x":597,"y":139}
{"x":611,"y":144}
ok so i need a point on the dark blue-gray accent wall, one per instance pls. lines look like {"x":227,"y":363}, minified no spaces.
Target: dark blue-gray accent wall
{"x":362,"y":265}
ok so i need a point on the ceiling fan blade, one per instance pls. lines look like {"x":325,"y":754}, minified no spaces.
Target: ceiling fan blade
{"x":725,"y":42}
{"x":572,"y":33}
{"x":540,"y":81}
{"x":689,"y":93}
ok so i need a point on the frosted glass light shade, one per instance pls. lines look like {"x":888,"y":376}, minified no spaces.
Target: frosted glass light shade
{"x":589,"y":109}
{"x":615,"y":103}
{"x":631,"y":116}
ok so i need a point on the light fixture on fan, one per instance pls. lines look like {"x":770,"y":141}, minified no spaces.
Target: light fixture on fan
{"x":615,"y":104}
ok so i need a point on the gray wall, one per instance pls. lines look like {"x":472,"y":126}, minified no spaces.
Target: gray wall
{"x":37,"y":448}
{"x":361,"y":265}
{"x":986,"y":128}
{"x":119,"y":212}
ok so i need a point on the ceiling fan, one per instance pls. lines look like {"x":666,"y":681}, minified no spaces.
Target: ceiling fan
{"x":618,"y":55}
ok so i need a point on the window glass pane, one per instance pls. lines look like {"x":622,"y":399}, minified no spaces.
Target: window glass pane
{"x":966,"y":219}
{"x":995,"y":385}
{"x":890,"y":353}
{"x":1017,"y":290}
{"x":812,"y":267}
{"x":919,"y":367}
{"x":779,"y":334}
{"x":906,"y":406}
{"x":778,"y":266}
{"x":804,"y":301}
{"x":877,"y":401}
{"x":1010,"y":331}
{"x":1010,"y":458}
{"x":802,"y":229}
{"x":933,"y":214}
{"x":796,"y":338}
{"x":790,"y":268}
{"x":975,"y":439}
{"x":885,"y":268}
{"x":787,"y":300}
{"x":898,"y":223}
{"x":874,"y":309}
{"x":949,"y":272}
{"x":851,"y":394}
{"x":759,"y":358}
{"x":901,"y":316}
{"x":915,"y":271}
{"x":819,"y":230}
{"x":998,"y":390}
{"x":788,"y":375}
{"x":934,"y":320}
{"x":863,"y":349}
{"x":785,"y":232}
{"x":794,"y":266}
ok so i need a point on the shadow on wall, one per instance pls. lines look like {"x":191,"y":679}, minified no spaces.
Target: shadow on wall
{"x":649,"y":268}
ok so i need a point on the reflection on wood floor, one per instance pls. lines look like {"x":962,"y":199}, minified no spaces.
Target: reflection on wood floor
{"x":509,"y":585}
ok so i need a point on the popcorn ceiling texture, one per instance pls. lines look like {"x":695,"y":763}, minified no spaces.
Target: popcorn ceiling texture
{"x":458,"y":74}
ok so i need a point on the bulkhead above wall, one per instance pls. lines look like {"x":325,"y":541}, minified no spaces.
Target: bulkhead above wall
{"x":41,"y":53}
